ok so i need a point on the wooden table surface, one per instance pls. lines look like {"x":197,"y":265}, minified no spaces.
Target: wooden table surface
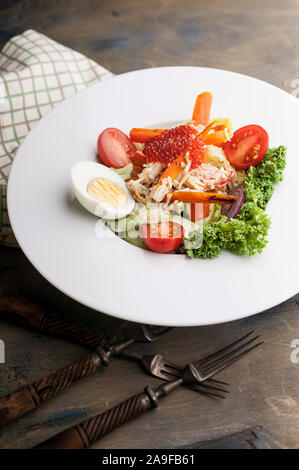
{"x":260,"y":39}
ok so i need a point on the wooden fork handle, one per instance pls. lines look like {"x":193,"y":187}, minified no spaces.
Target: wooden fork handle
{"x":86,"y":433}
{"x":29,"y":314}
{"x":20,"y":402}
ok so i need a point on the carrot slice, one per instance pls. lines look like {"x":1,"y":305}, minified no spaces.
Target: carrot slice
{"x":202,"y":108}
{"x":143,"y":135}
{"x":174,"y":169}
{"x":217,"y":137}
{"x":196,"y":196}
{"x":217,"y":125}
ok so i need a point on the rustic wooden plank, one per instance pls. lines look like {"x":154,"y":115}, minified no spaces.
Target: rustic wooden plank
{"x":264,"y":396}
{"x":124,"y":36}
{"x":263,"y":386}
{"x":246,"y":439}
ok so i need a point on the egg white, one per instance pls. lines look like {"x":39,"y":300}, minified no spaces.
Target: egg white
{"x":82,"y":173}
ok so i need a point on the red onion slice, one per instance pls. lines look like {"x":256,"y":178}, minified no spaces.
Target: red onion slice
{"x":232,"y":210}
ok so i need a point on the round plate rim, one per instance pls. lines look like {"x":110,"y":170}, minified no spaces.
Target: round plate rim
{"x":86,"y":302}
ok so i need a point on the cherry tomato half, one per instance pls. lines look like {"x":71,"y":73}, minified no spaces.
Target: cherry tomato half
{"x":199,"y":211}
{"x":115,"y":148}
{"x":163,"y":237}
{"x":247,"y":146}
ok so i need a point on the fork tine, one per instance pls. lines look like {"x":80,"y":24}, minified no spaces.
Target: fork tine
{"x":160,"y":330}
{"x":203,"y":389}
{"x":216,"y":381}
{"x":171,"y":373}
{"x":206,"y":386}
{"x":169,"y":376}
{"x":178,"y":371}
{"x":211,"y":394}
{"x":232,"y":360}
{"x":151,"y":332}
{"x":174,"y":367}
{"x":164,"y":375}
{"x":218,"y":353}
{"x":228,"y":355}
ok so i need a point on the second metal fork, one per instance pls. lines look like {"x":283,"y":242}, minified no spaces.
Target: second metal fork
{"x":83,"y":434}
{"x":157,"y":366}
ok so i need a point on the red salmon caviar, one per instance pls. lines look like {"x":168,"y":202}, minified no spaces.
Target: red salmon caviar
{"x":167,"y":146}
{"x":196,"y":152}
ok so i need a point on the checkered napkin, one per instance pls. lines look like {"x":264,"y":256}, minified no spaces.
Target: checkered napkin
{"x":36,"y":73}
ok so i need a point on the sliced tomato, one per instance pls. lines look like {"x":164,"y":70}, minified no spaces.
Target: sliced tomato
{"x":115,"y":148}
{"x":163,"y":237}
{"x":199,"y":211}
{"x":247,"y":146}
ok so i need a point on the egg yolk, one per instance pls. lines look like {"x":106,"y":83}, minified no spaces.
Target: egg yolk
{"x":107,"y":191}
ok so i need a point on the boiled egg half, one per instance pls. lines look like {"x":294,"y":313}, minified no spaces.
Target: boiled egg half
{"x":101,"y":190}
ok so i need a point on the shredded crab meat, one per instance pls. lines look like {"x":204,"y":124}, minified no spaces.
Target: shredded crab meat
{"x":138,"y":190}
{"x":159,"y":191}
{"x":216,"y":157}
{"x":150,"y":173}
{"x":216,"y":174}
{"x":180,"y":180}
{"x":208,"y":177}
{"x":192,"y":182}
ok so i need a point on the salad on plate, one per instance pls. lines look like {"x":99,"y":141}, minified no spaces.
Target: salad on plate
{"x":197,"y":188}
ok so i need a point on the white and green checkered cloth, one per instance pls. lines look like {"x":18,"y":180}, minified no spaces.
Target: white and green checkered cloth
{"x":36,"y":73}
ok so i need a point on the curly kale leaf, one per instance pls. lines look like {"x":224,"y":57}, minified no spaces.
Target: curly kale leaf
{"x":260,"y":179}
{"x":245,"y":235}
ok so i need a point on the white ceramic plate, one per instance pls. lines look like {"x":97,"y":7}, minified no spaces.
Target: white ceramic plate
{"x":112,"y":276}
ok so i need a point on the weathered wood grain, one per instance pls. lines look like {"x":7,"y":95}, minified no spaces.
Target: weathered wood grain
{"x":260,"y":40}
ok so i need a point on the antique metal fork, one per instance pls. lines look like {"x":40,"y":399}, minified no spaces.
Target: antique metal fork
{"x":21,"y":311}
{"x":157,"y":366}
{"x":24,"y":312}
{"x":31,"y":396}
{"x":89,"y":431}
